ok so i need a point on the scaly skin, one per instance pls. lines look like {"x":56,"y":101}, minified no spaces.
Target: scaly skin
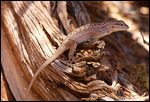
{"x":89,"y":32}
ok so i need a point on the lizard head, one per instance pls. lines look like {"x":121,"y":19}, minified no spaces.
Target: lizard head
{"x":118,"y":25}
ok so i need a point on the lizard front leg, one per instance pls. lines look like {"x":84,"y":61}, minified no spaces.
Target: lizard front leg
{"x":91,"y":38}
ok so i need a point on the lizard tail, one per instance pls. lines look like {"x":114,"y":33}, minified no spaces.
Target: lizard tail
{"x":59,"y":51}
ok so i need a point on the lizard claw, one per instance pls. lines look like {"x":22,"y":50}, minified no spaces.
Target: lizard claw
{"x":71,"y":59}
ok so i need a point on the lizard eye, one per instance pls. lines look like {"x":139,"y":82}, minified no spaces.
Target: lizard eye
{"x":121,"y":24}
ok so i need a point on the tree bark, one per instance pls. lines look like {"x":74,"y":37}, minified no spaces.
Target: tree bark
{"x":31,"y":31}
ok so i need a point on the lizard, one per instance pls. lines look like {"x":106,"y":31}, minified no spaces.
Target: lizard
{"x":90,"y":32}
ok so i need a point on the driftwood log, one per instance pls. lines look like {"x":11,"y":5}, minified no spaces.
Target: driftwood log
{"x":31,"y":31}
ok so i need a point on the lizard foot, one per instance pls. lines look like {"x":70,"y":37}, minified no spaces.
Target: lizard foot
{"x":71,"y":58}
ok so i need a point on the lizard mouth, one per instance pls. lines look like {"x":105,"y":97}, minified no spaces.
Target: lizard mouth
{"x":125,"y":27}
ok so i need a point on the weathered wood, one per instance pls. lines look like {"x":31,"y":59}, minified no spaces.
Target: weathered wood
{"x":31,"y":31}
{"x":27,"y":28}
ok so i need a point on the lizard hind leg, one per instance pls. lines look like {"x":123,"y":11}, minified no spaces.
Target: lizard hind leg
{"x":71,"y":52}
